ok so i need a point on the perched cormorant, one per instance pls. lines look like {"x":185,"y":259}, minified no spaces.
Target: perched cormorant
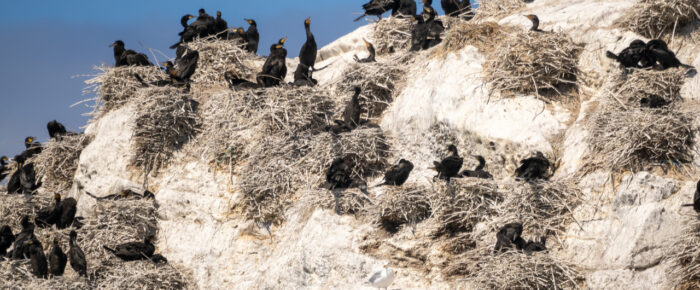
{"x":6,"y":240}
{"x":40,"y":269}
{"x":235,"y":82}
{"x":183,"y":22}
{"x":533,"y":246}
{"x":20,"y":250}
{"x":220,"y":26}
{"x":351,"y":115}
{"x":405,"y":8}
{"x":302,"y":76}
{"x":435,"y":28}
{"x":450,"y":166}
{"x":377,"y":8}
{"x":33,"y":148}
{"x":184,"y":67}
{"x":535,"y":22}
{"x":397,"y":174}
{"x":653,"y":101}
{"x":419,"y":34}
{"x":307,"y":54}
{"x":631,"y":56}
{"x":57,"y":259}
{"x":372,"y":54}
{"x":48,"y":216}
{"x":275,"y":68}
{"x":4,"y":169}
{"x":133,"y":251}
{"x":658,"y":51}
{"x":339,"y":174}
{"x":68,"y":209}
{"x":124,"y":57}
{"x":696,"y":199}
{"x":478,"y":172}
{"x":204,"y":25}
{"x":252,"y":37}
{"x":76,"y":255}
{"x":533,"y":168}
{"x":56,"y":129}
{"x":509,"y":236}
{"x":14,"y":185}
{"x":187,"y":34}
{"x":27,"y":179}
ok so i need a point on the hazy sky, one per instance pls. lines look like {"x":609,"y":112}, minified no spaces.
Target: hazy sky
{"x":50,"y":47}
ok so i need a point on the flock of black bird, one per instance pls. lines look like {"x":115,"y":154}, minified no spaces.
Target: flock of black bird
{"x":426,"y":33}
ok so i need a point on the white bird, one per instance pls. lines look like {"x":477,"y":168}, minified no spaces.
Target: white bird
{"x":383,"y":278}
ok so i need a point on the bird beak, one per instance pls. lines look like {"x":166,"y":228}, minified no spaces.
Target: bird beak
{"x":283,"y":40}
{"x":308,"y":20}
{"x":113,"y":44}
{"x":190,"y":17}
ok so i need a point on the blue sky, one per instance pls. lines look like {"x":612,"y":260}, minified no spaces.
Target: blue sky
{"x":50,"y":46}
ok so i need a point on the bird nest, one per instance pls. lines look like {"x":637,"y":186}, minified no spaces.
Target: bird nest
{"x":631,"y":88}
{"x":225,"y":128}
{"x":217,"y":57}
{"x":380,"y":83}
{"x":115,"y":86}
{"x":166,"y":119}
{"x":482,"y":35}
{"x":465,"y":203}
{"x":515,"y":270}
{"x":392,"y":35}
{"x":686,"y":258}
{"x":347,"y":201}
{"x":496,"y":8}
{"x":652,"y":18}
{"x":278,"y":166}
{"x":59,"y":160}
{"x":115,"y":222}
{"x":539,"y":63}
{"x":630,"y":138}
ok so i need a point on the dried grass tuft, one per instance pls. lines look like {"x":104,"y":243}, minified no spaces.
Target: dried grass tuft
{"x":115,"y":86}
{"x":686,"y":258}
{"x":630,"y":138}
{"x":536,"y":63}
{"x":653,"y":18}
{"x":482,"y":35}
{"x":392,"y":35}
{"x":166,"y":119}
{"x":380,"y":83}
{"x":496,"y":8}
{"x":217,"y":57}
{"x":59,"y":160}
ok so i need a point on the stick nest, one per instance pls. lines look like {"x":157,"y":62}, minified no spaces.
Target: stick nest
{"x":536,"y":63}
{"x":652,"y":18}
{"x":482,"y":35}
{"x":218,"y":56}
{"x":115,"y":222}
{"x":380,"y":83}
{"x":115,"y":86}
{"x":496,"y":8}
{"x":399,"y":205}
{"x":166,"y":119}
{"x":633,"y":137}
{"x":347,"y":201}
{"x":392,"y":35}
{"x":59,"y":160}
{"x":686,"y":257}
{"x":632,"y":87}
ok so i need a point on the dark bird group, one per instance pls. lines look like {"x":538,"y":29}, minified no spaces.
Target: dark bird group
{"x":653,"y":54}
{"x":407,"y":8}
{"x":510,"y":237}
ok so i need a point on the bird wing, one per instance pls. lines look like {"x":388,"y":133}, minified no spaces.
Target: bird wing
{"x":376,"y":277}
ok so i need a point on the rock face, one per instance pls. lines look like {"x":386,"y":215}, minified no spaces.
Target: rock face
{"x":620,"y":237}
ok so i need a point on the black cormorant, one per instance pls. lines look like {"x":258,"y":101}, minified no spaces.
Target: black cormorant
{"x":478,"y":172}
{"x":533,"y":168}
{"x":631,"y":56}
{"x":76,"y":255}
{"x":220,"y":26}
{"x":696,"y":199}
{"x":14,"y":185}
{"x":48,"y":216}
{"x":397,"y":174}
{"x":235,"y":82}
{"x":40,"y":268}
{"x":435,"y":28}
{"x":450,"y":166}
{"x":533,"y":246}
{"x":4,"y":169}
{"x":351,"y":115}
{"x":184,"y":67}
{"x":158,"y":258}
{"x":20,"y":250}
{"x":275,"y":68}
{"x":57,"y":259}
{"x":658,"y":51}
{"x":535,"y":22}
{"x":307,"y":54}
{"x":377,"y":8}
{"x":183,"y":22}
{"x":451,"y":7}
{"x":653,"y":101}
{"x":252,"y":37}
{"x":56,"y":129}
{"x":187,"y":34}
{"x":124,"y":57}
{"x":405,"y":8}
{"x":6,"y":240}
{"x":204,"y":25}
{"x":68,"y":209}
{"x":339,"y":174}
{"x":27,"y":179}
{"x":509,"y":236}
{"x":32,"y":148}
{"x":372,"y":54}
{"x":302,"y":76}
{"x":133,"y":251}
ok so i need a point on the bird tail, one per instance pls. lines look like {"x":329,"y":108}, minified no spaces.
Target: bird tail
{"x":688,"y":204}
{"x":358,"y":18}
{"x":610,"y":54}
{"x":138,"y":78}
{"x":174,"y":46}
{"x":109,"y":249}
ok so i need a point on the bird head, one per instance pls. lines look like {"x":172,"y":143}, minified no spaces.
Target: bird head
{"x":218,"y":13}
{"x":367,"y":44}
{"x":189,"y":16}
{"x":452,"y":148}
{"x":280,"y":43}
{"x":168,"y":64}
{"x":28,"y":141}
{"x":202,"y":11}
{"x":117,"y":43}
{"x":637,"y":43}
{"x":56,"y":241}
{"x":241,"y":30}
{"x":532,"y":17}
{"x":3,"y":160}
{"x":73,"y":235}
{"x":307,"y":21}
{"x":57,"y":197}
{"x":250,"y":21}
